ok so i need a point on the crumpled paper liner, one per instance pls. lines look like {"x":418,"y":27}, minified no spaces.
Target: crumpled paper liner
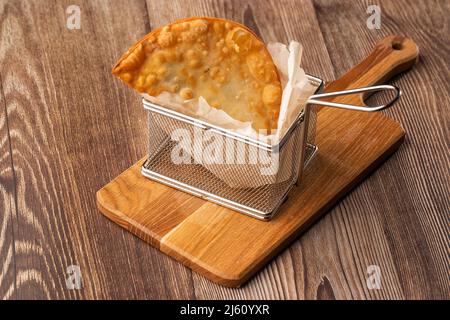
{"x":296,"y":91}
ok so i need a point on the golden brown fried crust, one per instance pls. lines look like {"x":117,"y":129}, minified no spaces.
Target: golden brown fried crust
{"x":220,"y":60}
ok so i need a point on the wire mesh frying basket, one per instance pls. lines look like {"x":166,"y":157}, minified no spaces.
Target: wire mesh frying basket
{"x":233,"y":170}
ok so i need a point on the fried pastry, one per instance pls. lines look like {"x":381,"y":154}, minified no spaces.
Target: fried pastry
{"x":220,"y":60}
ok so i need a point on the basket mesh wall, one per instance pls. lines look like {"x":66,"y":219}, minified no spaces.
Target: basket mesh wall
{"x":239,"y":172}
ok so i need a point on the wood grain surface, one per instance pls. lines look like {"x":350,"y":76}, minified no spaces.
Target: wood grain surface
{"x":67,"y":127}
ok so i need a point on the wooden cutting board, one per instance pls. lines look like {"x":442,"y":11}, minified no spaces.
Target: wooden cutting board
{"x":228,"y":247}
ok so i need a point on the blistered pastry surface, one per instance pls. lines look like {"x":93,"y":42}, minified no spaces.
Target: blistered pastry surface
{"x":217,"y":59}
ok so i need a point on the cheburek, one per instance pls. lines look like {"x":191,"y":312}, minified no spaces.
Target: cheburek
{"x":220,"y":60}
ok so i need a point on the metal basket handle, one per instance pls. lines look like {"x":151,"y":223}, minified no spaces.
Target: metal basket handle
{"x":315,"y":99}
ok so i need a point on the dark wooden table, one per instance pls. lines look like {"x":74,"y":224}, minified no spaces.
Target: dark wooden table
{"x":67,"y":127}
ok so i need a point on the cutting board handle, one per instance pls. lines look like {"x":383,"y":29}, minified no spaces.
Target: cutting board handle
{"x":391,"y":56}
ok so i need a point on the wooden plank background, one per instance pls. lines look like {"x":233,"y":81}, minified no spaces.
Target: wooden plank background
{"x":67,"y":127}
